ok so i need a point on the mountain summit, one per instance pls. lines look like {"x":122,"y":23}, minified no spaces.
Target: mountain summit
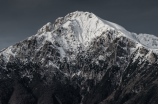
{"x":80,"y":59}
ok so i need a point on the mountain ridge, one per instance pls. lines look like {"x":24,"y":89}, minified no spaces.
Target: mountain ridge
{"x":94,"y":59}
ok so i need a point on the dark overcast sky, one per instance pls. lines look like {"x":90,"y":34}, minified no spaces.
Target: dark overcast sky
{"x":20,"y":19}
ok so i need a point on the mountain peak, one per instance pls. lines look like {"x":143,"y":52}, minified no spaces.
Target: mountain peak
{"x":93,"y":59}
{"x":79,"y":13}
{"x":77,"y":30}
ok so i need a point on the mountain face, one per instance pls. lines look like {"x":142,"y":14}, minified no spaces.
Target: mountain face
{"x":81,"y":59}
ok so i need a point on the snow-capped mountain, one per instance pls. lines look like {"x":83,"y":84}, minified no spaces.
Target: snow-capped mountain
{"x":80,"y":59}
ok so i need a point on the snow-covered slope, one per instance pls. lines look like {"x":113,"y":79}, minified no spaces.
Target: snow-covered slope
{"x":147,"y":40}
{"x":80,"y":28}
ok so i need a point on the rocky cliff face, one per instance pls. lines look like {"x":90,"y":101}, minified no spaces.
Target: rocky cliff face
{"x":80,"y":59}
